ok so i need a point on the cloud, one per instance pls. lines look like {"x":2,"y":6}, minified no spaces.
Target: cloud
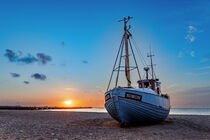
{"x":26,"y":82}
{"x":15,"y":75}
{"x":190,"y":38}
{"x":191,"y":29}
{"x":43,"y":58}
{"x":16,"y":57}
{"x":11,"y":55}
{"x":28,"y":59}
{"x":38,"y":76}
{"x":84,"y":61}
{"x":192,"y":53}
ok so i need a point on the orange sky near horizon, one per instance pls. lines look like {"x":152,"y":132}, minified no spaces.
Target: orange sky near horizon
{"x":56,"y":96}
{"x":79,"y":98}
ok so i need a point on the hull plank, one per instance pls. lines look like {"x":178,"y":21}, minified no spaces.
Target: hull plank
{"x":139,"y":112}
{"x":110,"y":106}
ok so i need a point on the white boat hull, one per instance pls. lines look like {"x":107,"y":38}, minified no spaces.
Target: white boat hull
{"x":150,"y":108}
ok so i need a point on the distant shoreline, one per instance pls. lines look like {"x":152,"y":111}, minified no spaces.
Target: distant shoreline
{"x":37,"y":108}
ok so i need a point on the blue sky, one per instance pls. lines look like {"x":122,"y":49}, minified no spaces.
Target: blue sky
{"x":82,"y":38}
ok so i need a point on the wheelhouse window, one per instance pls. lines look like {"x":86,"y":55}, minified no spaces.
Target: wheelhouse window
{"x":107,"y":97}
{"x":133,"y":96}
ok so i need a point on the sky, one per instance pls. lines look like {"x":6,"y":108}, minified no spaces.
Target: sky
{"x":57,"y":50}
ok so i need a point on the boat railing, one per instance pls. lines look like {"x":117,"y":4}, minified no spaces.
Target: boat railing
{"x":165,"y":96}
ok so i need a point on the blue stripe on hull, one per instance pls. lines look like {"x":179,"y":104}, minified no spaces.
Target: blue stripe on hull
{"x":131,"y":111}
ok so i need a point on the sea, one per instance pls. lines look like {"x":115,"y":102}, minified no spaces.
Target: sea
{"x":173,"y":111}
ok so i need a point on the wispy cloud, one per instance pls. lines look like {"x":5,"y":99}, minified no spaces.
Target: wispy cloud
{"x":192,"y":97}
{"x":199,"y":90}
{"x":192,"y":53}
{"x":63,"y":43}
{"x":204,"y":68}
{"x":26,"y":82}
{"x":190,"y":38}
{"x":180,"y":54}
{"x":69,"y":89}
{"x":38,"y":76}
{"x":190,"y":30}
{"x":15,"y":75}
{"x":17,"y":57}
{"x":205,"y":59}
{"x":63,"y":64}
{"x":170,"y":88}
{"x":197,"y":74}
{"x":84,"y":61}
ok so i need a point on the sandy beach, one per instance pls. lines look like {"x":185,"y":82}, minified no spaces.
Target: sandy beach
{"x":80,"y":125}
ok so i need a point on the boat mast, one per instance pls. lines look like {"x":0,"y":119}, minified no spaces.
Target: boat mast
{"x":126,"y":37}
{"x":124,"y":48}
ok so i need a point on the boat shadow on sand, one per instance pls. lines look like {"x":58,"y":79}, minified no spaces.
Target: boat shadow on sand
{"x":110,"y":123}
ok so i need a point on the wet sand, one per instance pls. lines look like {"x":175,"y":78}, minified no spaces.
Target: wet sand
{"x":40,"y":125}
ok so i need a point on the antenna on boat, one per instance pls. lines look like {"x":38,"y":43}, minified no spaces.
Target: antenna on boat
{"x":151,"y":62}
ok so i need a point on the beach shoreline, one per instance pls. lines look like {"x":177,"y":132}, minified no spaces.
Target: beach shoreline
{"x":32,"y":124}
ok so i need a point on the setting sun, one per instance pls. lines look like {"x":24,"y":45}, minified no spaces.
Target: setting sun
{"x":68,"y":102}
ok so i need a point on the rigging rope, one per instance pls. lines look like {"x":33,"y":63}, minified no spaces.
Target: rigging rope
{"x":141,"y":56}
{"x":139,"y":52}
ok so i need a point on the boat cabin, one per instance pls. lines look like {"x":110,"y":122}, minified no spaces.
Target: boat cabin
{"x":154,"y":84}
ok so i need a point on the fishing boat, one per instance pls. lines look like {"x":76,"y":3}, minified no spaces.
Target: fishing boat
{"x":144,"y":103}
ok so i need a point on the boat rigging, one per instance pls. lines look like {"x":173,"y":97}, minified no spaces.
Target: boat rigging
{"x":125,"y":45}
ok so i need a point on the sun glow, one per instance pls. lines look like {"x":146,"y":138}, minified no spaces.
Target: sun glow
{"x":68,"y":102}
